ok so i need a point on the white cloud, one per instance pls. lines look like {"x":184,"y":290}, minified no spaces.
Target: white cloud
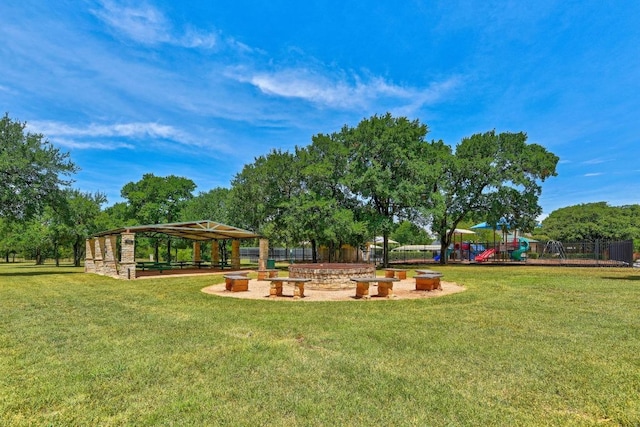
{"x":145,"y":24}
{"x":148,"y":25}
{"x":339,"y":89}
{"x":593,"y":174}
{"x":130,"y":130}
{"x":90,"y":145}
{"x":128,"y":136}
{"x":596,"y":161}
{"x":195,"y":38}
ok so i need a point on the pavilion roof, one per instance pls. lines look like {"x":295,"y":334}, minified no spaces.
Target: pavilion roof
{"x":194,"y":230}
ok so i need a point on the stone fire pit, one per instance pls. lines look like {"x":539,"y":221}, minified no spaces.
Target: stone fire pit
{"x":331,"y":276}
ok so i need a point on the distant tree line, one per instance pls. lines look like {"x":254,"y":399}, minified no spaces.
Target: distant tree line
{"x":380,"y":178}
{"x":593,"y":221}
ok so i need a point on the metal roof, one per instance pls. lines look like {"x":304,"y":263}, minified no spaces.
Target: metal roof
{"x":416,"y":248}
{"x":195,"y":230}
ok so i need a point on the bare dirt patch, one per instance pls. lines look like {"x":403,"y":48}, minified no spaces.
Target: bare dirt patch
{"x":404,"y":289}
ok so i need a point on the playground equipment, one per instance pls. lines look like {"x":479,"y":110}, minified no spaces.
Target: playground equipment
{"x":484,"y":256}
{"x":436,"y":258}
{"x":555,"y":249}
{"x":519,"y":253}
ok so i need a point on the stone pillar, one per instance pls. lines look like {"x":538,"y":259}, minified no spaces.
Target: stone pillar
{"x":110,"y":267}
{"x":98,"y":259}
{"x":127,"y":269}
{"x":263,"y":254}
{"x":90,"y":249}
{"x":215,"y":254}
{"x":235,"y":254}
{"x":196,"y":251}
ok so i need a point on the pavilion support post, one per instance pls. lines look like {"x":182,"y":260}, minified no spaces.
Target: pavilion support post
{"x":110,"y":267}
{"x":235,"y":254}
{"x":90,"y":249}
{"x":127,"y":269}
{"x":215,"y":254}
{"x":98,"y":259}
{"x":263,"y":254}
{"x":196,"y":251}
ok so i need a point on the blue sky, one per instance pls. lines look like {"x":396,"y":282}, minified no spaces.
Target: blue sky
{"x":200,"y":88}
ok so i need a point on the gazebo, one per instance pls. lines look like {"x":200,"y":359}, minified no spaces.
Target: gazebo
{"x":101,"y":249}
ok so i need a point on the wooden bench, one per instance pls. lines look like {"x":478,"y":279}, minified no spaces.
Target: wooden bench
{"x":385,"y":286}
{"x":427,"y":272}
{"x":428,"y":281}
{"x":236,"y":282}
{"x":298,"y":286}
{"x":399,"y":273}
{"x":267,"y":274}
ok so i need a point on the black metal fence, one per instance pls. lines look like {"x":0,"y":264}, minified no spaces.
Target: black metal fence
{"x":591,"y":250}
{"x":278,"y":254}
{"x":598,"y":252}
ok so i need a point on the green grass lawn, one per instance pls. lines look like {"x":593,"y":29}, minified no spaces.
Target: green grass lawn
{"x":522,"y":346}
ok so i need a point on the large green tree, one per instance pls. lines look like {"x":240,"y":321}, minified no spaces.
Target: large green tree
{"x":212,"y":205}
{"x":9,"y":238}
{"x":37,"y":237}
{"x":490,"y":176}
{"x":388,"y":169}
{"x":593,"y":221}
{"x":325,"y":212}
{"x":76,"y":220}
{"x":158,"y":200}
{"x":261,"y":195}
{"x":32,"y":171}
{"x":408,"y":233}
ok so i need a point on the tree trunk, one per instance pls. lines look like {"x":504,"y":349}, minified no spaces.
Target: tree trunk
{"x":314,"y":251}
{"x":39,"y":258}
{"x":78,"y":251}
{"x":385,"y":249}
{"x":443,"y":250}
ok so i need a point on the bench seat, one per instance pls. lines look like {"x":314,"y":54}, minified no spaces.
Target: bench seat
{"x":385,"y":286}
{"x":428,"y":282}
{"x":297,"y":282}
{"x":236,"y":282}
{"x":400,"y":273}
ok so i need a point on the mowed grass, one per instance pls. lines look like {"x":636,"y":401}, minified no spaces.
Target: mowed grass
{"x":521,"y":346}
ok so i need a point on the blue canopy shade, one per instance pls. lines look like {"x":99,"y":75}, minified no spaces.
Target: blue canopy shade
{"x":486,"y":226}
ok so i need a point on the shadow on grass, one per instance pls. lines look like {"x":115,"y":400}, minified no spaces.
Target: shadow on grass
{"x":37,"y":273}
{"x":636,"y":277}
{"x":37,"y":270}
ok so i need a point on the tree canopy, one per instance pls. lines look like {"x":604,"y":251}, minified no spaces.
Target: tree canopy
{"x":32,"y":171}
{"x":593,"y":221}
{"x":388,"y":164}
{"x":344,"y":188}
{"x":491,"y":177}
{"x":156,"y":199}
